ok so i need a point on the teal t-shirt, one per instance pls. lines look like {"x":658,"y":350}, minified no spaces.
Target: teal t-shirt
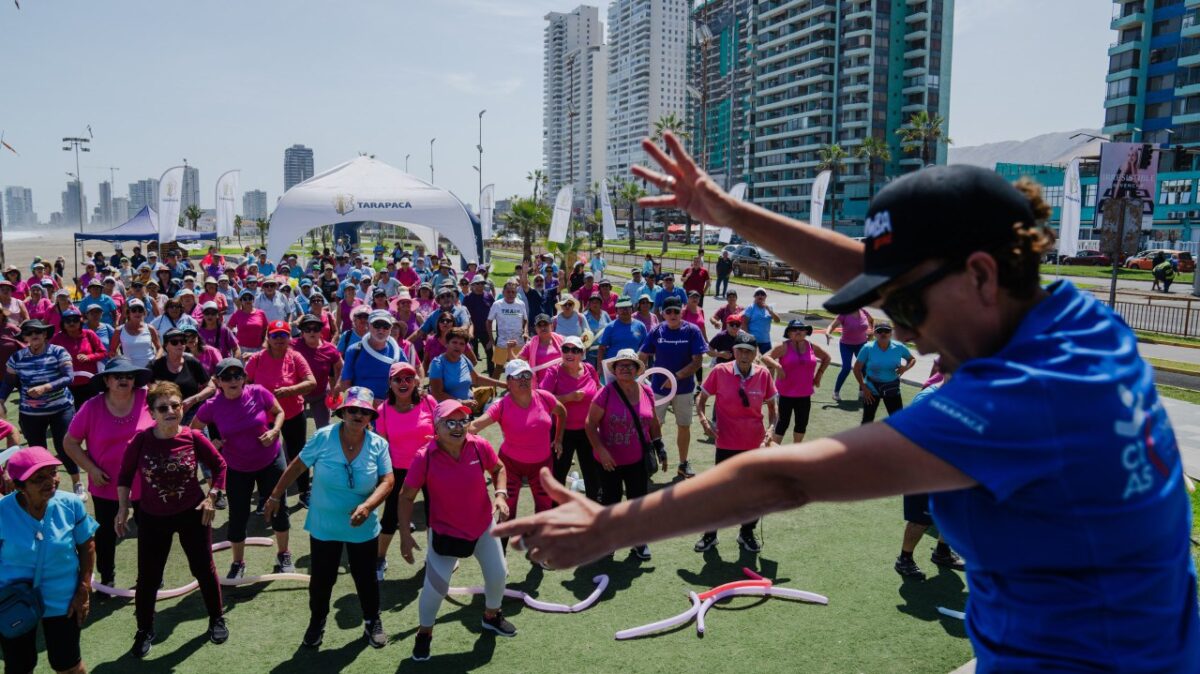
{"x":339,"y":486}
{"x":880,"y":364}
{"x":65,"y":525}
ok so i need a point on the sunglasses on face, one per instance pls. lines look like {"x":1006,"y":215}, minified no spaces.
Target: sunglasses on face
{"x":667,"y":312}
{"x":175,"y":342}
{"x":404,"y":379}
{"x":232,"y":376}
{"x":626,"y":365}
{"x":168,"y":407}
{"x":455,"y":424}
{"x":211,"y":312}
{"x":136,"y":310}
{"x":309,"y":329}
{"x":446,"y":321}
{"x":906,"y":305}
{"x":381,"y":326}
{"x":523,"y":376}
{"x":571,"y":349}
{"x":355,"y":412}
{"x":122,"y":376}
{"x":72,"y":321}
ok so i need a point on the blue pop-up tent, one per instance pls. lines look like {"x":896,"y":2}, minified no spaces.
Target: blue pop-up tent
{"x":142,"y":227}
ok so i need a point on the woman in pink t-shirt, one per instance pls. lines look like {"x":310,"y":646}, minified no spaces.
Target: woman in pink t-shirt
{"x":798,"y":365}
{"x":528,"y":417}
{"x":249,"y":325}
{"x":37,"y":304}
{"x":856,"y":329}
{"x":575,"y":382}
{"x":622,"y":427}
{"x":545,"y":346}
{"x":406,"y":420}
{"x":106,"y":423}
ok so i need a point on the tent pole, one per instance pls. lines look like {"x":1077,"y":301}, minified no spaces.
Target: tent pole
{"x":76,"y":279}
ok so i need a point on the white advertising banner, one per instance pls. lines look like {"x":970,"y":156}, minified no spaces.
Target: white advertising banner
{"x":170,"y":199}
{"x":487,"y":211}
{"x":1068,"y":229}
{"x":608,"y":218}
{"x":738,"y":192}
{"x":817,"y":203}
{"x":560,"y":224}
{"x":227,"y":190}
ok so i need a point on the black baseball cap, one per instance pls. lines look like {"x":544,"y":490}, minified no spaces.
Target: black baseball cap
{"x":936,"y":212}
{"x":672,"y":303}
{"x":745,"y":340}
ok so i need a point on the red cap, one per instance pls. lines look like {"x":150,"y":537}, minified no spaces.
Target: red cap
{"x":736,"y":318}
{"x":279,"y":326}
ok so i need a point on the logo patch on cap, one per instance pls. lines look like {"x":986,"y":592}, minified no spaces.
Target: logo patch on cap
{"x":878,"y":228}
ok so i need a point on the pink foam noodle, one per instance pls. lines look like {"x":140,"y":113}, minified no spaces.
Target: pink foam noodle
{"x":667,"y":623}
{"x":601,"y":582}
{"x":734,"y":585}
{"x":751,"y":574}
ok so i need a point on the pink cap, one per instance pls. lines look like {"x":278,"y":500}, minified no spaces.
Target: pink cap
{"x":400,"y":368}
{"x":26,"y":462}
{"x":447,"y":408}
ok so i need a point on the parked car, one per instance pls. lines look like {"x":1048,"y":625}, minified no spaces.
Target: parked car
{"x":1145,"y":260}
{"x":1088,"y":258}
{"x":753,"y":261}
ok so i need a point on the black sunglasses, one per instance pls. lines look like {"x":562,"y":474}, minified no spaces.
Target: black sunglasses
{"x":211,"y":312}
{"x":906,"y":305}
{"x":745,"y":398}
{"x":571,"y":349}
{"x":231,"y":376}
{"x":380,"y":325}
{"x":175,"y":342}
{"x":137,"y":310}
{"x":167,"y":407}
{"x":311,"y":328}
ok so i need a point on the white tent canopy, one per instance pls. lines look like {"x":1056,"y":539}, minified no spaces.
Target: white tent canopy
{"x":365,"y":189}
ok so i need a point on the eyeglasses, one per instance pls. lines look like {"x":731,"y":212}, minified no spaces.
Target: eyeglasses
{"x":231,"y":376}
{"x":68,"y":321}
{"x":672,"y":310}
{"x":455,"y":424}
{"x":446,"y":321}
{"x":571,"y":349}
{"x":168,"y":407}
{"x":123,"y":376}
{"x":137,"y":310}
{"x":355,"y":412}
{"x":407,"y":379}
{"x":349,"y":475}
{"x":522,"y":376}
{"x":211,"y":312}
{"x":175,"y":342}
{"x":380,"y":325}
{"x":906,"y":305}
{"x":309,"y":329}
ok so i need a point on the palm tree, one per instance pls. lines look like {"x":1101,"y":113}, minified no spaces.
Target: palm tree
{"x":262,"y":226}
{"x":539,"y":178}
{"x":528,"y":218}
{"x":193,"y":214}
{"x":873,"y":150}
{"x":237,"y":228}
{"x":832,"y":158}
{"x":924,"y":133}
{"x":673,"y":123}
{"x":630,"y":192}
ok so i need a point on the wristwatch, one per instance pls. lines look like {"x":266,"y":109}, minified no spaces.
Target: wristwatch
{"x":499,"y":492}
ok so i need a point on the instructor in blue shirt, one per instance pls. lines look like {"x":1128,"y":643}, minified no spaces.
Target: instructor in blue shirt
{"x":1050,"y":461}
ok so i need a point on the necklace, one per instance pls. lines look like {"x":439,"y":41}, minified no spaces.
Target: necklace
{"x":126,"y":418}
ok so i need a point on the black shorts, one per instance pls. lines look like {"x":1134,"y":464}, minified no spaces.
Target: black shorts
{"x":61,"y":635}
{"x":916,"y":509}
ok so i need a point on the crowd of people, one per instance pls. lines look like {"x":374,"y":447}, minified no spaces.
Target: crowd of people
{"x":174,"y":388}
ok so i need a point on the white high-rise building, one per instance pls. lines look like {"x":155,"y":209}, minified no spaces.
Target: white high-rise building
{"x":120,"y":210}
{"x":254,"y":206}
{"x":19,"y":206}
{"x":106,"y":215}
{"x":574,"y":107}
{"x":143,"y":193}
{"x":647,"y":74}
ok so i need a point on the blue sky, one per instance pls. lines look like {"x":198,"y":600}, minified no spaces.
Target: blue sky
{"x":231,"y":84}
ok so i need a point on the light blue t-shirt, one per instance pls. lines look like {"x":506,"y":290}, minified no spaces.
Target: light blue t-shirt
{"x":758,"y":323}
{"x":635,"y":289}
{"x":1077,"y":534}
{"x":365,"y":369}
{"x":598,"y":266}
{"x":880,"y":364}
{"x":65,"y":525}
{"x":619,"y":336}
{"x":108,"y":307}
{"x":340,"y":486}
{"x":662,"y":294}
{"x":456,"y":377}
{"x":462,"y":318}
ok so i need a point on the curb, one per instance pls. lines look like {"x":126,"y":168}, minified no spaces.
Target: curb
{"x":1160,"y":342}
{"x":1176,"y":370}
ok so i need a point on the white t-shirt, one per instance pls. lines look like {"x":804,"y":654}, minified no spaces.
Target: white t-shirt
{"x":509,"y":320}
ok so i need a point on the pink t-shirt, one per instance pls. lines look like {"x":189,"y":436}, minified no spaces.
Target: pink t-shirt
{"x":556,"y":380}
{"x":798,"y":370}
{"x":535,"y":352}
{"x":275,"y":373}
{"x":526,"y":430}
{"x":617,"y":430}
{"x":459,"y":502}
{"x":320,"y":361}
{"x":240,"y":422}
{"x":855,"y":327}
{"x":251,"y":328}
{"x":739,"y":426}
{"x":696,"y":319}
{"x":407,"y":432}
{"x":209,"y":357}
{"x":433,"y":347}
{"x":105,"y":438}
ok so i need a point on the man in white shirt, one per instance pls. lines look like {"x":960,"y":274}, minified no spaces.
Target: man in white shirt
{"x":507,"y":319}
{"x":272,"y":302}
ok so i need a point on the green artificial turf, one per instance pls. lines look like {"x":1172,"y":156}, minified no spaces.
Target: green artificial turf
{"x":873,"y":623}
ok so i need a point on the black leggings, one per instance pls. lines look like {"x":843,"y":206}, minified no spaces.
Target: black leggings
{"x":325,"y":557}
{"x":39,"y":428}
{"x":802,"y":407}
{"x":239,"y":485}
{"x":293,"y":433}
{"x":155,"y":535}
{"x":632,"y":479}
{"x":893,"y":403}
{"x":576,"y":445}
{"x":725,"y":455}
{"x":391,"y":507}
{"x":106,"y":536}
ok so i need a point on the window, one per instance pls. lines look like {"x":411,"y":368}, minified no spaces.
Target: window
{"x":1089,"y":195}
{"x":1053,"y":196}
{"x":1124,"y":61}
{"x":1175,"y":192}
{"x":1155,"y":110}
{"x":1159,"y":83}
{"x":1163,"y":54}
{"x":1187,"y":106}
{"x":1121,"y":114}
{"x":1122,"y":88}
{"x":1165,"y":26}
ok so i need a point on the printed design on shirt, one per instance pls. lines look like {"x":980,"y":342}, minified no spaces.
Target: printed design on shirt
{"x":169,"y":475}
{"x":1141,"y":457}
{"x":621,"y":428}
{"x":960,"y":414}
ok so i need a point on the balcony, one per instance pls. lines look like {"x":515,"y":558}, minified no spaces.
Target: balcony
{"x":1131,"y":45}
{"x":1128,"y":16}
{"x":919,"y":15}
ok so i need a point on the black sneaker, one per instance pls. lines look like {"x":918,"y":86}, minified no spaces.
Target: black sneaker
{"x":685,"y":469}
{"x":284,"y":563}
{"x":421,"y":647}
{"x":642,"y":552}
{"x":706,"y":542}
{"x":141,"y":643}
{"x":907,"y":567}
{"x":373,"y":629}
{"x":236,"y":571}
{"x":499,"y":625}
{"x":949,"y":560}
{"x":222,"y":502}
{"x":304,"y":498}
{"x":262,"y":503}
{"x":748,"y":542}
{"x":314,"y":635}
{"x":218,"y":633}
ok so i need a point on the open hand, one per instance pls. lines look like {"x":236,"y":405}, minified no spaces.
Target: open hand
{"x":561,"y":537}
{"x":685,"y":186}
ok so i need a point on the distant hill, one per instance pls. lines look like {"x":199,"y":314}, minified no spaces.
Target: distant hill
{"x":1048,"y":148}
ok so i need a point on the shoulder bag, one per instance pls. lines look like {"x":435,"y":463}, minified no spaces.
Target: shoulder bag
{"x":445,"y":544}
{"x":21,"y":605}
{"x":649,"y":456}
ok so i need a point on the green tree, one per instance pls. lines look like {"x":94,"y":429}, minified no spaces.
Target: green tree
{"x":263,"y":226}
{"x":528,"y":219}
{"x":924,"y":133}
{"x":874,"y":151}
{"x":540,"y":181}
{"x":193,"y":214}
{"x":832,"y":158}
{"x":673,"y":123}
{"x":630,"y":192}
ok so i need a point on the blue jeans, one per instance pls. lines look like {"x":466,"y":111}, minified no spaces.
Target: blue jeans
{"x":36,"y":428}
{"x":721,"y":286}
{"x":849,"y":352}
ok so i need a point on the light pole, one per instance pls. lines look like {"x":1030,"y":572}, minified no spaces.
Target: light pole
{"x":479,"y":147}
{"x":78,"y":145}
{"x":406,"y":162}
{"x":431,"y":141}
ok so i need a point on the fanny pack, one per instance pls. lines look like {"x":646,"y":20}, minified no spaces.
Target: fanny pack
{"x":21,"y":604}
{"x":445,"y":544}
{"x":886,"y":389}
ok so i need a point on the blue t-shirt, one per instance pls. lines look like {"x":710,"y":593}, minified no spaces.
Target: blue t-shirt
{"x":105,"y":332}
{"x":758,"y":323}
{"x":662,"y":294}
{"x":880,"y":364}
{"x":674,"y":349}
{"x":635,"y":289}
{"x":65,"y":525}
{"x":108,"y":308}
{"x":266,"y":268}
{"x":456,"y":377}
{"x":619,"y":336}
{"x":366,"y":369}
{"x":462,"y":318}
{"x":1077,"y":535}
{"x":340,"y":486}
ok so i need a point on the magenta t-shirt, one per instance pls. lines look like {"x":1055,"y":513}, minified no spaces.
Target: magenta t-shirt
{"x":105,"y":438}
{"x":320,"y":361}
{"x":556,"y":380}
{"x":799,"y":368}
{"x":536,"y":353}
{"x":617,"y":430}
{"x":459,"y":502}
{"x":240,"y":422}
{"x":251,"y":328}
{"x":526,"y":430}
{"x":407,"y":432}
{"x":855,"y":327}
{"x":739,"y":426}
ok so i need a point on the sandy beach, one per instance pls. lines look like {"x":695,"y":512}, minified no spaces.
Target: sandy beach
{"x":22,"y":245}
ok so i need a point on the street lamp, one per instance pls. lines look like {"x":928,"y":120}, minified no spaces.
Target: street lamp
{"x":479,"y":147}
{"x":406,"y":162}
{"x":78,"y":145}
{"x":431,"y":141}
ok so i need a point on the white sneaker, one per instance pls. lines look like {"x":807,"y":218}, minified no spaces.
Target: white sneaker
{"x":80,"y":491}
{"x":381,"y":566}
{"x":837,"y":397}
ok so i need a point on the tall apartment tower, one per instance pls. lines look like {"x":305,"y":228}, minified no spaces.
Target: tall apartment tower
{"x":72,"y":202}
{"x":837,"y":72}
{"x":254,"y":205}
{"x":721,"y":71}
{"x":18,"y":206}
{"x":191,"y":189}
{"x":106,"y":212}
{"x":647,"y":74}
{"x":297,"y":166}
{"x":143,"y":193}
{"x":1154,"y":72}
{"x":574,"y":103}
